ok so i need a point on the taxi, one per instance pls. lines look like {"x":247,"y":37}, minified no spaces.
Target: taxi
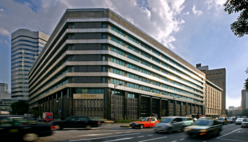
{"x":144,"y":122}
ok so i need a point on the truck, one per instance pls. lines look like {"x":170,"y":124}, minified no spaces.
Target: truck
{"x":47,"y":116}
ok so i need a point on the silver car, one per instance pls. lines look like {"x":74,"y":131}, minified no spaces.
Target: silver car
{"x":239,"y":121}
{"x":244,"y":123}
{"x":169,"y":125}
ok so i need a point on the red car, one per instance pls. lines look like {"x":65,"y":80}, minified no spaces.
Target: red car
{"x":47,"y":116}
{"x":144,"y":122}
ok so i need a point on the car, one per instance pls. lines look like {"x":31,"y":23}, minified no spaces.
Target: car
{"x":205,"y":128}
{"x":223,"y":121}
{"x":169,"y":125}
{"x":239,"y":121}
{"x":188,"y":121}
{"x":204,"y":118}
{"x":244,"y":123}
{"x":230,"y":120}
{"x":78,"y":122}
{"x":22,"y":128}
{"x":144,"y":122}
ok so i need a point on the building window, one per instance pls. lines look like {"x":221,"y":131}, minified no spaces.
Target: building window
{"x":103,"y":36}
{"x":103,"y":69}
{"x":72,"y":69}
{"x":130,"y":95}
{"x":131,"y":85}
{"x":72,"y":48}
{"x":145,"y":88}
{"x":103,"y":80}
{"x":72,"y":58}
{"x":103,"y":47}
{"x":103,"y":58}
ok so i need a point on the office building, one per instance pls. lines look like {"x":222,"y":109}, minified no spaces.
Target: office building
{"x":218,"y":77}
{"x":26,"y":46}
{"x":96,"y":63}
{"x":213,"y":95}
{"x":244,"y":99}
{"x":3,"y":87}
{"x":231,"y":108}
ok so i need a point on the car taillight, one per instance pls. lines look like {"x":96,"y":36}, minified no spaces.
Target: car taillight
{"x":99,"y":122}
{"x":53,"y":127}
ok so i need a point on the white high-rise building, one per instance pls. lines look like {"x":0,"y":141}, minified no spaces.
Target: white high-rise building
{"x":26,"y":46}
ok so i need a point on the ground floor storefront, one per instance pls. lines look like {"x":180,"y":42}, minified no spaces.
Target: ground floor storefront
{"x":113,"y":105}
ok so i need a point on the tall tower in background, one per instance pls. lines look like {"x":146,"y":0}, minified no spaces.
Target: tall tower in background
{"x":26,"y":46}
{"x":218,"y":77}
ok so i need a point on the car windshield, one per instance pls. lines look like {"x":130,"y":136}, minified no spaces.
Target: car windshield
{"x":245,"y":120}
{"x":143,"y":119}
{"x":184,"y":119}
{"x":229,"y":118}
{"x":221,"y":119}
{"x":240,"y":119}
{"x":49,"y":117}
{"x":166,"y":120}
{"x":202,"y":122}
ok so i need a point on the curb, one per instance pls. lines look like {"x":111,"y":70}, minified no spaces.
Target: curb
{"x":124,"y":126}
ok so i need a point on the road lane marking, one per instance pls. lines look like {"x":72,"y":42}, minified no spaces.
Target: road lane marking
{"x":182,"y":139}
{"x":95,"y":134}
{"x":118,"y":132}
{"x":128,"y":138}
{"x":153,"y":139}
{"x":232,"y":140}
{"x":104,"y":137}
{"x":228,"y":133}
{"x":174,"y":141}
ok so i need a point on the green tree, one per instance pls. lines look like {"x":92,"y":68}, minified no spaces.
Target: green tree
{"x":36,"y":112}
{"x":244,"y":113}
{"x":19,"y":108}
{"x":239,"y":27}
{"x":246,"y":84}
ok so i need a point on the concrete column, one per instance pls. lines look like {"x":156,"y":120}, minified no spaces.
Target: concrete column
{"x":125,"y":105}
{"x":174,"y":107}
{"x":180,"y":107}
{"x":159,"y":108}
{"x":168,"y":108}
{"x":150,"y":106}
{"x":139,"y":106}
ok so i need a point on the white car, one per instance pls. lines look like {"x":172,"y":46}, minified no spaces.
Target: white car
{"x":244,"y":123}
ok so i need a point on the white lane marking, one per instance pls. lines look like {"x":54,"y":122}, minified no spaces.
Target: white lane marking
{"x":118,"y":132}
{"x":72,"y":130}
{"x":128,"y":138}
{"x":181,"y":139}
{"x":228,"y":133}
{"x":140,"y":136}
{"x":104,"y":137}
{"x":174,"y":141}
{"x":153,"y":139}
{"x":150,"y":135}
{"x":232,"y":140}
{"x":95,"y":134}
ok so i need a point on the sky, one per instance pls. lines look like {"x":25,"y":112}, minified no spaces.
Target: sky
{"x":198,"y":31}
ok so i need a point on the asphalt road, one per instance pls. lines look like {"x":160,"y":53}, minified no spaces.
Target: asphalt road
{"x":114,"y":133}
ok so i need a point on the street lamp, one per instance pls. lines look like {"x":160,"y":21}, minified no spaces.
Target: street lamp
{"x":115,"y":85}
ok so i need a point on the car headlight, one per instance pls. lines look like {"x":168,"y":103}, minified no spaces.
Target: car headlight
{"x":203,"y":130}
{"x":187,"y":130}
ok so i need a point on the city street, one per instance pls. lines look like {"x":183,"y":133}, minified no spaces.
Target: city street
{"x":114,"y":133}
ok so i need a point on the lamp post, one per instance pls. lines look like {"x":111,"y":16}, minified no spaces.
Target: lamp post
{"x":115,"y":85}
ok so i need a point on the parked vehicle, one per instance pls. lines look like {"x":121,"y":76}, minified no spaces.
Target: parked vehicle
{"x":144,"y":122}
{"x":4,"y":113}
{"x":22,"y":128}
{"x":206,"y":128}
{"x":239,"y":121}
{"x":169,"y":125}
{"x":188,"y":121}
{"x":223,"y":121}
{"x":47,"y":116}
{"x":78,"y":122}
{"x":244,"y":123}
{"x":230,"y":120}
{"x":204,"y":118}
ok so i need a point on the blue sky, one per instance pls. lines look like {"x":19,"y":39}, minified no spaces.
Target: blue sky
{"x":198,"y":31}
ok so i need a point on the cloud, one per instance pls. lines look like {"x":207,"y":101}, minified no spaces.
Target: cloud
{"x":186,"y":13}
{"x":1,"y":9}
{"x":196,"y":12}
{"x":217,"y":4}
{"x":156,"y":18}
{"x":4,"y":32}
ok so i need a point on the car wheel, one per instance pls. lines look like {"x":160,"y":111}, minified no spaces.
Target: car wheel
{"x":29,"y":137}
{"x":169,"y":130}
{"x":141,"y":126}
{"x":133,"y":127}
{"x":182,"y":129}
{"x":88,"y":127}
